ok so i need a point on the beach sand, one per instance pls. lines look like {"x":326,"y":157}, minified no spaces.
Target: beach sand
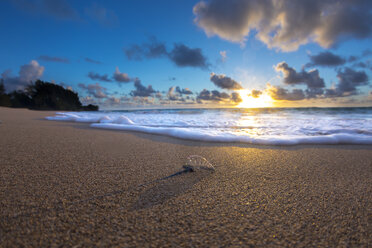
{"x":64,"y":183}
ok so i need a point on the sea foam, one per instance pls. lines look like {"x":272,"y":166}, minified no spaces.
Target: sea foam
{"x":255,"y":126}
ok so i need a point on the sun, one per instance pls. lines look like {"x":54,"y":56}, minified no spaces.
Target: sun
{"x":248,"y":101}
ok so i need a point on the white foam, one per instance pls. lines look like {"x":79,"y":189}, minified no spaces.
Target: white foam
{"x":284,"y":127}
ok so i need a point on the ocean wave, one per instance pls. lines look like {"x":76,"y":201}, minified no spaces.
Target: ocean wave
{"x":275,"y":128}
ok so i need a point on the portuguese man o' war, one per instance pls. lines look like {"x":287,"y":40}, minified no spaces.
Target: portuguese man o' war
{"x":196,"y":162}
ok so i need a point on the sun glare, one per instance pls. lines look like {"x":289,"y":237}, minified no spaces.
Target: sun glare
{"x":248,"y":101}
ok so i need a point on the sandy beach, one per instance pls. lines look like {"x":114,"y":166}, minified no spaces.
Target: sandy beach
{"x":64,"y":183}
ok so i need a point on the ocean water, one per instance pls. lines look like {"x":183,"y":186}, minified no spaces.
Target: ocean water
{"x":269,"y":126}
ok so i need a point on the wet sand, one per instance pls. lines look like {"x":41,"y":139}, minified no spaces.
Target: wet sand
{"x":64,"y":183}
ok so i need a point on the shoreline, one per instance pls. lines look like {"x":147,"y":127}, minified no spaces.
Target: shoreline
{"x":111,"y":121}
{"x":68,"y":183}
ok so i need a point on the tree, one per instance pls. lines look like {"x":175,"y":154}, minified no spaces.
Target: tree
{"x":48,"y":96}
{"x":20,"y":99}
{"x":2,"y":88}
{"x":4,"y":98}
{"x":44,"y":96}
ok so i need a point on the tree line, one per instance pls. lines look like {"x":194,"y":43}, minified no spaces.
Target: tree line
{"x":42,"y":95}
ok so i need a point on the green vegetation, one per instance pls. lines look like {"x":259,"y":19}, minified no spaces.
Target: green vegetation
{"x":43,"y":96}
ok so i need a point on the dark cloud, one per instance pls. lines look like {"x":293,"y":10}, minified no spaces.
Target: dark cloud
{"x":103,"y":16}
{"x":279,"y":93}
{"x":88,"y":100}
{"x":89,"y":60}
{"x":314,"y":92}
{"x":286,"y":24}
{"x":326,"y":59}
{"x":256,"y":93}
{"x":214,"y":95}
{"x":98,"y":77}
{"x":348,"y":81}
{"x":173,"y":95}
{"x":134,"y":52}
{"x":152,"y":49}
{"x":184,"y":56}
{"x":28,"y":73}
{"x":364,"y":65}
{"x":141,"y":90}
{"x":121,"y":77}
{"x":54,"y":59}
{"x":366,"y":53}
{"x":95,"y":90}
{"x":155,"y":49}
{"x":292,"y":77}
{"x":225,"y":82}
{"x":353,"y":58}
{"x":181,"y":55}
{"x":60,"y":9}
{"x":185,"y":91}
{"x":235,"y":97}
{"x":112,"y":101}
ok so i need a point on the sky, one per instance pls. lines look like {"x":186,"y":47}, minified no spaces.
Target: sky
{"x":185,"y":53}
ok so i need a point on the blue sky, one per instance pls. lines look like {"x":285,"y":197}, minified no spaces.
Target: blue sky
{"x":70,"y":39}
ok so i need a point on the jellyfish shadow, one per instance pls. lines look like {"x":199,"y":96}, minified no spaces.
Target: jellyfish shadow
{"x":171,"y":187}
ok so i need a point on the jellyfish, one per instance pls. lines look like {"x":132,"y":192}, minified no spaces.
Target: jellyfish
{"x":196,"y":162}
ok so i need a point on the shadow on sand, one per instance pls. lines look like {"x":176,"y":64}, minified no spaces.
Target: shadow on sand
{"x":169,"y":188}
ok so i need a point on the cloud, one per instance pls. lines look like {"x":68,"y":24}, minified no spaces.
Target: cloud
{"x":103,"y":16}
{"x":31,"y":72}
{"x":279,"y":93}
{"x":151,"y":49}
{"x":348,"y":81}
{"x":59,"y":9}
{"x":54,"y":59}
{"x":256,"y":93}
{"x":95,"y":90}
{"x":28,"y":73}
{"x":235,"y":97}
{"x":225,"y":82}
{"x":121,"y":77}
{"x":283,"y":24}
{"x":185,"y":91}
{"x":213,"y":95}
{"x":326,"y":59}
{"x":89,"y":60}
{"x":223,"y":56}
{"x":141,"y":91}
{"x":292,"y":77}
{"x":367,"y":53}
{"x":184,"y":56}
{"x":96,"y":76}
{"x":88,"y":100}
{"x":173,"y":95}
{"x":353,"y":58}
{"x":181,"y":55}
{"x":364,"y":65}
{"x":217,"y":96}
